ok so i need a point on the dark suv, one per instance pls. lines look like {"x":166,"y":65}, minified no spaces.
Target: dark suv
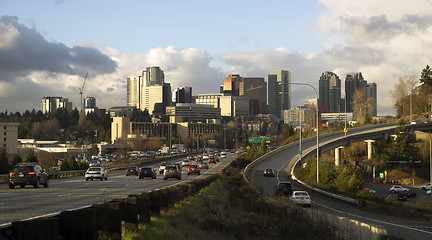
{"x":284,"y":188}
{"x":28,"y":174}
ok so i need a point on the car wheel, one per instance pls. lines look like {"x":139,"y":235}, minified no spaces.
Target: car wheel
{"x":153,"y":177}
{"x":11,"y":186}
{"x":106,"y":178}
{"x":165,"y":178}
{"x":392,"y":191}
{"x":102,"y":178}
{"x":91,"y":178}
{"x":179,"y":178}
{"x":199,"y":173}
{"x":36,"y":185}
{"x":86,"y":179}
{"x":46,"y":184}
{"x":188,"y":173}
{"x":22,"y":186}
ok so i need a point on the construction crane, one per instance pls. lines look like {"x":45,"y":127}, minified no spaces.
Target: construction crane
{"x":81,"y":89}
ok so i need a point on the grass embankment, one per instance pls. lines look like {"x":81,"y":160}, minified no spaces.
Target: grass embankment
{"x":229,"y":209}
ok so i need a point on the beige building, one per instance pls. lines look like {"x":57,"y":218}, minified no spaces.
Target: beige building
{"x":119,"y":128}
{"x":232,"y":106}
{"x":9,"y":137}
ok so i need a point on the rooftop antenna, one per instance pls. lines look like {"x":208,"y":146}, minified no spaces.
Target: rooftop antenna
{"x":81,"y":89}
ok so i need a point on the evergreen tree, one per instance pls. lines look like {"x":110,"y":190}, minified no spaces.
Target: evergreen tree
{"x":426,"y":76}
{"x":30,"y":157}
{"x":4,"y":162}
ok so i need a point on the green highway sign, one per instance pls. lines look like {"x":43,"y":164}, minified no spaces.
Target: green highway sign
{"x":365,"y":162}
{"x":259,"y":139}
{"x":403,"y":161}
{"x":381,"y":175}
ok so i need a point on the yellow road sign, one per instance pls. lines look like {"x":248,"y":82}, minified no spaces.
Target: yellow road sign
{"x":345,"y":130}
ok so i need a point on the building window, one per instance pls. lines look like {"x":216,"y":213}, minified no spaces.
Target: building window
{"x":4,"y":145}
{"x":5,"y":139}
{"x":4,"y":127}
{"x":4,"y":133}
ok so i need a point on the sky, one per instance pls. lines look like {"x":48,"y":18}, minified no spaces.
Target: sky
{"x":47,"y":47}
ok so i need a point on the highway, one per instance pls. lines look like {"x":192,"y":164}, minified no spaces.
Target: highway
{"x":75,"y":192}
{"x":405,"y":228}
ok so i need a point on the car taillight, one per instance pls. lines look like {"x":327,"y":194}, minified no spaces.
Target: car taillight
{"x":296,"y":198}
{"x":11,"y":174}
{"x":31,"y":173}
{"x":308,"y":198}
{"x":98,"y":173}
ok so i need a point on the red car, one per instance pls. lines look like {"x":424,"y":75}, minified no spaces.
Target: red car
{"x":212,"y":160}
{"x":193,"y":169}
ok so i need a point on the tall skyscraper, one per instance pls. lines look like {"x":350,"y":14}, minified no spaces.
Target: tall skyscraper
{"x":279,"y":92}
{"x":51,"y":104}
{"x":371,"y":94}
{"x":149,"y":91}
{"x":134,"y":86}
{"x":353,"y":81}
{"x":232,"y":85}
{"x":183,"y":95}
{"x":256,"y":90}
{"x":329,"y":93}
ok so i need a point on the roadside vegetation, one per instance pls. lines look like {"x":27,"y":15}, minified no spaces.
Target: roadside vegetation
{"x":229,"y":209}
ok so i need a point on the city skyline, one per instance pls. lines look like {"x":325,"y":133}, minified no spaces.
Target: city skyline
{"x":199,"y":43}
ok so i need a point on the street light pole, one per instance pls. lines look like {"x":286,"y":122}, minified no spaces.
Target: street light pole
{"x":317,"y":122}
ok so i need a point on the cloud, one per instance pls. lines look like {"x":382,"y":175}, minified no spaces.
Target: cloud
{"x":25,"y":50}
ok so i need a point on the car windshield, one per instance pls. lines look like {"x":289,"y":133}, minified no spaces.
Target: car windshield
{"x":302,"y":194}
{"x":23,"y":169}
{"x":132,"y":168}
{"x":285,"y":185}
{"x":95,"y":169}
{"x":171,"y":168}
{"x":268,"y":170}
{"x":147,"y":169}
{"x":193,"y":166}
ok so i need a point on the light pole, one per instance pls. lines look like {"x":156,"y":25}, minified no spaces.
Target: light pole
{"x":317,"y":122}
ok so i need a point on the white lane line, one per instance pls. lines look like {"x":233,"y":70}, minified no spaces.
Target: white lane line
{"x":64,"y":195}
{"x":374,"y":220}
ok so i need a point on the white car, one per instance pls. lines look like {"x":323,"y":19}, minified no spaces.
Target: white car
{"x":223,"y":154}
{"x":162,"y":167}
{"x":301,"y":198}
{"x":96,"y":172}
{"x":398,"y":189}
{"x":185,"y":163}
{"x":426,"y":187}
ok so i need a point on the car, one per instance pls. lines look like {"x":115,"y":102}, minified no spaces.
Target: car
{"x":212,"y":160}
{"x":426,"y":187}
{"x":172,"y":171}
{"x":147,"y":172}
{"x":203,"y":165}
{"x":398,"y":189}
{"x":193,"y":169}
{"x":96,"y":172}
{"x":370,"y":190}
{"x":284,"y":188}
{"x":410,"y":194}
{"x":269,"y":172}
{"x":190,"y":157}
{"x":223,"y":154}
{"x":402,"y":196}
{"x":133,"y":170}
{"x":23,"y":174}
{"x":301,"y":198}
{"x":185,"y":163}
{"x":162,"y":167}
{"x":95,"y":163}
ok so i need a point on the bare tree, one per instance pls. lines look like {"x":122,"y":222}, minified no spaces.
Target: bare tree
{"x":401,"y":93}
{"x":360,"y":106}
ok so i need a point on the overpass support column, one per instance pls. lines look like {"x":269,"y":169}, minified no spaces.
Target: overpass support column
{"x":338,"y":161}
{"x":370,"y":150}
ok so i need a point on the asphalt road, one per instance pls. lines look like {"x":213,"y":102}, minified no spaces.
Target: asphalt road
{"x":75,"y":192}
{"x":397,"y":226}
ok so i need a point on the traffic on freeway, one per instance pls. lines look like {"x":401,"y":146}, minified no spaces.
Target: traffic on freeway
{"x":280,"y":162}
{"x":75,"y":192}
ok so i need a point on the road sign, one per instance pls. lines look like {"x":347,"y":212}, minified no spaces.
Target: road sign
{"x":259,"y":139}
{"x":385,"y":173}
{"x":381,"y":175}
{"x":345,"y":130}
{"x":413,"y":173}
{"x":365,"y":162}
{"x":247,"y":147}
{"x":300,"y":152}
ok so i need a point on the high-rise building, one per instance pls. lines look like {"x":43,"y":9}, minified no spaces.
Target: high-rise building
{"x":209,"y":99}
{"x":51,"y":104}
{"x":183,"y":95}
{"x":353,"y":81}
{"x":90,"y":102}
{"x":371,"y":94}
{"x":256,"y":90}
{"x":279,"y":92}
{"x":134,"y":86}
{"x":153,"y":76}
{"x":329,"y":93}
{"x":232,"y":85}
{"x":149,"y":91}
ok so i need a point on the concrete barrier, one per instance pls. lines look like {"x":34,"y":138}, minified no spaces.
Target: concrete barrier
{"x":79,"y":224}
{"x":40,"y":228}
